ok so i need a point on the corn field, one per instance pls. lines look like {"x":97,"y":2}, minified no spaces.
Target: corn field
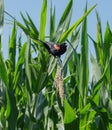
{"x":41,"y":92}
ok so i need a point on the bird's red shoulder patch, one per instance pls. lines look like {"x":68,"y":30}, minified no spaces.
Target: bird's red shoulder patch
{"x":57,"y":47}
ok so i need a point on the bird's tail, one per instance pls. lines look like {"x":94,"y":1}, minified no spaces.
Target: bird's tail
{"x":46,"y":44}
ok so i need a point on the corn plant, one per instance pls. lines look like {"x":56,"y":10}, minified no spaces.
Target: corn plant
{"x":39,"y":91}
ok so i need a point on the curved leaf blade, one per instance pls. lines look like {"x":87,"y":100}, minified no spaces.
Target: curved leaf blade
{"x":74,"y":26}
{"x":70,"y":115}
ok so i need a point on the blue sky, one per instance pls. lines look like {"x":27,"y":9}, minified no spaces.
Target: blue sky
{"x":33,"y":7}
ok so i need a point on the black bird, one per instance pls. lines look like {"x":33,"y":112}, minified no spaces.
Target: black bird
{"x":54,"y":49}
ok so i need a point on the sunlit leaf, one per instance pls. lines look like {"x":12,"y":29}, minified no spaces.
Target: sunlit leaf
{"x":43,"y":20}
{"x":12,"y":47}
{"x":70,"y":114}
{"x":74,"y":26}
{"x":64,"y":21}
{"x":3,"y":71}
{"x":52,"y":21}
{"x":71,"y":49}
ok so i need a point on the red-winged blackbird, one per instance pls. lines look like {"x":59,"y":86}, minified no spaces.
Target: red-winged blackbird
{"x":55,"y":49}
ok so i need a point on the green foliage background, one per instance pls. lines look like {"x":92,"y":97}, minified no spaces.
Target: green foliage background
{"x":28,"y":98}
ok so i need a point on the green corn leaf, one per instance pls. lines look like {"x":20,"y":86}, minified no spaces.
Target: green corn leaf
{"x":99,"y":30}
{"x":99,"y":41}
{"x":87,"y":115}
{"x":64,"y":22}
{"x":87,"y":120}
{"x":12,"y":112}
{"x":4,"y":78}
{"x":70,"y":50}
{"x":27,"y":61}
{"x":23,"y":27}
{"x":107,"y":41}
{"x":74,"y":26}
{"x":32,"y":26}
{"x":95,"y":47}
{"x":108,"y":34}
{"x":60,"y":123}
{"x":52,"y":21}
{"x":12,"y":48}
{"x":1,"y":15}
{"x":19,"y":65}
{"x":8,"y":106}
{"x":83,"y":85}
{"x":110,"y":105}
{"x":96,"y":70}
{"x":98,"y":85}
{"x":41,"y":80}
{"x":65,"y":13}
{"x":95,"y":77}
{"x":43,"y":20}
{"x":52,"y":64}
{"x":107,"y":47}
{"x":70,"y":115}
{"x":25,"y":21}
{"x":3,"y":71}
{"x":29,"y":28}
